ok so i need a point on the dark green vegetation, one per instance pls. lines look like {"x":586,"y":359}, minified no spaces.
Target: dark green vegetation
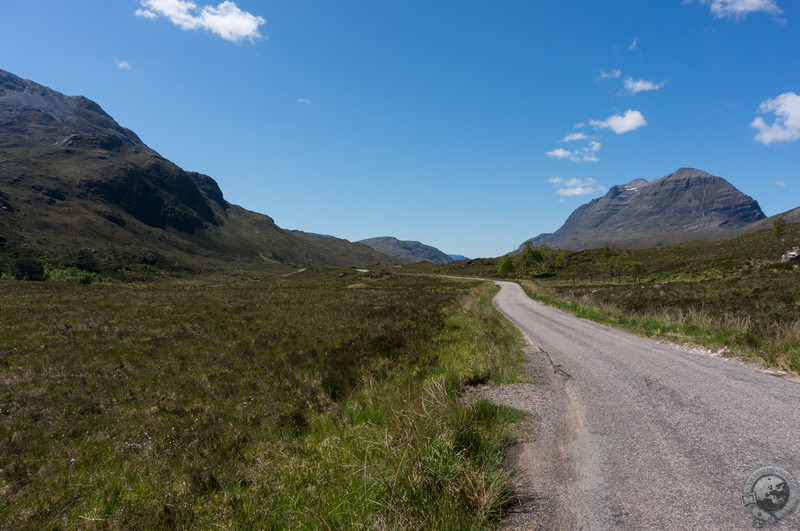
{"x":326,"y":399}
{"x":733,"y":294}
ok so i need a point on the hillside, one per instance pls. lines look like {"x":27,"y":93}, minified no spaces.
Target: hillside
{"x":407,"y":251}
{"x":76,"y":188}
{"x":685,"y":205}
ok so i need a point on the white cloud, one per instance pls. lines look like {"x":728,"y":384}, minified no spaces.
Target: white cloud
{"x":576,"y":187}
{"x":145,"y":13}
{"x":740,"y":8}
{"x":584,"y":154}
{"x":786,"y":126}
{"x":611,"y":74}
{"x":641,"y":85}
{"x":587,"y":154}
{"x":630,"y":120}
{"x":573,"y":137}
{"x":782,"y":184}
{"x":122,"y":65}
{"x":304,"y":101}
{"x":635,"y":44}
{"x":559,"y":153}
{"x":225,"y":20}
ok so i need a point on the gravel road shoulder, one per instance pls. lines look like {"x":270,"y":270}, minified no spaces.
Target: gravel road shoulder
{"x":538,"y":453}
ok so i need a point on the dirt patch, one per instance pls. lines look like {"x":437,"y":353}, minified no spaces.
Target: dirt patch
{"x":540,"y":453}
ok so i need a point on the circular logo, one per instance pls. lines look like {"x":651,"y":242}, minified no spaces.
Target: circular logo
{"x":770,"y":493}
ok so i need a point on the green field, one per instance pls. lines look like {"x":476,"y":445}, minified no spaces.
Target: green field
{"x":326,"y":399}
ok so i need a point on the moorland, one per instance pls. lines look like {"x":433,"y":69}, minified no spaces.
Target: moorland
{"x":324,"y":399}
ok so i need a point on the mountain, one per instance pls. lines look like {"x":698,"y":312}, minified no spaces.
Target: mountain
{"x":688,"y":204}
{"x":457,"y":257}
{"x":73,"y":181}
{"x":407,"y":251}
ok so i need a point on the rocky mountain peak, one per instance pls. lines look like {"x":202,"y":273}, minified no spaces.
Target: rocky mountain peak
{"x":672,"y":208}
{"x":637,"y":183}
{"x":33,"y":114}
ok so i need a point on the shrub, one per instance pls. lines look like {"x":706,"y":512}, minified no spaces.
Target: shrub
{"x":27,"y":269}
{"x":72,"y":274}
{"x":506,"y":266}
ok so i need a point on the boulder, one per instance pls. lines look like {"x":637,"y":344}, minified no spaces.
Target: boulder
{"x":792,"y":255}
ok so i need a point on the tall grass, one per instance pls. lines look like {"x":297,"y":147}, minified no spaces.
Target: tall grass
{"x":772,"y":343}
{"x":309,"y":402}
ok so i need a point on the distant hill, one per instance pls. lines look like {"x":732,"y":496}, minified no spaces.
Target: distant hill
{"x":407,"y":251}
{"x":688,"y":204}
{"x":73,"y":181}
{"x":790,"y":216}
{"x":457,"y":257}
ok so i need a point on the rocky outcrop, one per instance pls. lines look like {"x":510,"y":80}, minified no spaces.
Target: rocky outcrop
{"x":792,"y":255}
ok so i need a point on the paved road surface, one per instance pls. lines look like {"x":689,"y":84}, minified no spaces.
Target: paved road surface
{"x":651,"y":436}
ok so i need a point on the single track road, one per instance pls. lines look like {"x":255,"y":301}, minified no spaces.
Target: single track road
{"x":644,"y":435}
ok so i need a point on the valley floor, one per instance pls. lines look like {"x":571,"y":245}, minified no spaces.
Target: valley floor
{"x":327,"y":399}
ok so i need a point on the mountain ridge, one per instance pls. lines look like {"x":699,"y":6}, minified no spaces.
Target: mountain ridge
{"x":407,"y":250}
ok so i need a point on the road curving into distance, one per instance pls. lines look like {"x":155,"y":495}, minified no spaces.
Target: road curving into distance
{"x":651,"y":436}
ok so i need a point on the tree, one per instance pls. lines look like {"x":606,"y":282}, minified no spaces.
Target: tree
{"x":506,"y":266}
{"x":531,"y":256}
{"x":610,"y":261}
{"x":28,"y":269}
{"x":82,"y":259}
{"x":779,"y":227}
{"x":636,"y":269}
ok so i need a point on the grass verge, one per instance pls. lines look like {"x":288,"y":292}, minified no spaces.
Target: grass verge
{"x":776,"y":344}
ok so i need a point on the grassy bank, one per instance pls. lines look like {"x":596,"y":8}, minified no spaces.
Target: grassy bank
{"x":322,"y":400}
{"x":771,"y":337}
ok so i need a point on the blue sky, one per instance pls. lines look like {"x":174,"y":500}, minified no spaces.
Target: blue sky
{"x":470,"y":125}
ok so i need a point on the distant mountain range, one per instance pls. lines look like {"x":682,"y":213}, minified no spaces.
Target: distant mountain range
{"x":72,"y":181}
{"x":407,"y":251}
{"x":689,"y":204}
{"x":76,"y":188}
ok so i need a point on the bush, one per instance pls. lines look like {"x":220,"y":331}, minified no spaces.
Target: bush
{"x":72,"y":274}
{"x":505,"y":267}
{"x":27,"y":269}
